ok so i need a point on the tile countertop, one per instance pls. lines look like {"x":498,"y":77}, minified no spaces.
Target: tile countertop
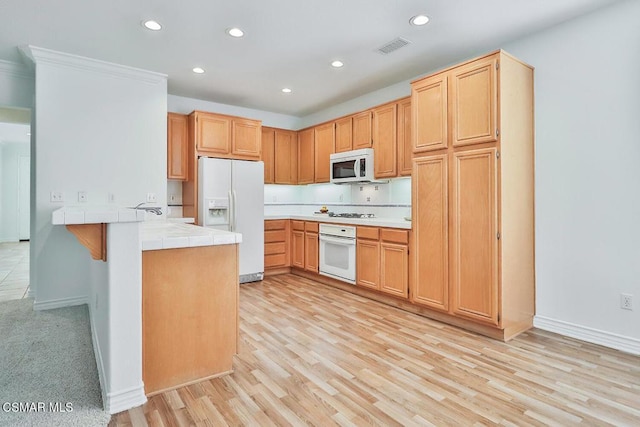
{"x":95,"y":215}
{"x":170,"y":235}
{"x":373,"y":222}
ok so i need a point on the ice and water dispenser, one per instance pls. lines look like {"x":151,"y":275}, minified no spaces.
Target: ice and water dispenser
{"x":217,"y":213}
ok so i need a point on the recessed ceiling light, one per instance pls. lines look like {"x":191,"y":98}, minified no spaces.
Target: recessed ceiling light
{"x":337,"y":64}
{"x":286,"y":90}
{"x":235,"y":32}
{"x":198,"y":70}
{"x":152,"y":25}
{"x":419,"y":20}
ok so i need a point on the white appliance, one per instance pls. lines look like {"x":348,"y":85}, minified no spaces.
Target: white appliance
{"x":230,"y":197}
{"x":338,"y":252}
{"x":352,"y":166}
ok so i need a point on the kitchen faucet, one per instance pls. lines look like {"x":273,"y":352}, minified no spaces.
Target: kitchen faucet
{"x":153,"y":209}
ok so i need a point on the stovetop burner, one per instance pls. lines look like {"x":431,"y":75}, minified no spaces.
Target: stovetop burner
{"x":351,"y":215}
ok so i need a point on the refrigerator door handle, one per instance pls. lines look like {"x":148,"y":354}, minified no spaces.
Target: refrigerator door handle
{"x":235,"y":216}
{"x":231,"y":212}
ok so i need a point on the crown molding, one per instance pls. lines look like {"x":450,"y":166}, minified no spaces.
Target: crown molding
{"x":13,"y":69}
{"x":42,"y":56}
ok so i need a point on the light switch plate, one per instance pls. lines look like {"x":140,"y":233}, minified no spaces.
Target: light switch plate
{"x":151,"y":197}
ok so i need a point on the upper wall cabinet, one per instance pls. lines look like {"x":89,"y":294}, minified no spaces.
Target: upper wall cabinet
{"x":268,"y":154}
{"x":324,"y":146}
{"x":177,"y":139}
{"x":344,"y":134}
{"x":405,"y":147}
{"x":286,"y":157}
{"x":362,"y":130}
{"x":306,"y":156}
{"x":217,"y":135}
{"x":385,"y":140}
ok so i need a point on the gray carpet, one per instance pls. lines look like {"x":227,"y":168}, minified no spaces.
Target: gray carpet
{"x":47,"y":356}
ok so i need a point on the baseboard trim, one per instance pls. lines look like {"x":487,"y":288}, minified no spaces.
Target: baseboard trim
{"x":60,"y":303}
{"x":122,"y":400}
{"x":595,"y":336}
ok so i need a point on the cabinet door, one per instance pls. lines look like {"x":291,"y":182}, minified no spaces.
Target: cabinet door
{"x":324,"y":145}
{"x":384,"y":141}
{"x":297,"y":248}
{"x":405,"y":147}
{"x":430,"y":255}
{"x":286,"y":164}
{"x":472,"y":102}
{"x":429,"y":113}
{"x":311,"y":252}
{"x":213,"y":134}
{"x":306,"y":155}
{"x":246,"y":138}
{"x":268,"y":154}
{"x":343,"y":134}
{"x":177,"y":137}
{"x":368,"y":263}
{"x":394,"y":269}
{"x":474,"y":240}
{"x":362,"y":130}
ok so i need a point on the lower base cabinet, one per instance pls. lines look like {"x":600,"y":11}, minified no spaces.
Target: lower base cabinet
{"x":382,"y":260}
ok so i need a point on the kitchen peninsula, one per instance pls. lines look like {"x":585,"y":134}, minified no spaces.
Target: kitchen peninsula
{"x":150,"y":322}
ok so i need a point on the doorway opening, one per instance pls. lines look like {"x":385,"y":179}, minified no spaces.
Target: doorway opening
{"x":15,"y":190}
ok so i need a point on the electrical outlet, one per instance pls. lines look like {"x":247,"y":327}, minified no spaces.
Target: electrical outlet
{"x":626,"y":301}
{"x":361,"y":188}
{"x":375,"y":188}
{"x":172,"y":198}
{"x":341,"y":197}
{"x":151,"y":198}
{"x":57,"y":196}
{"x":111,"y":197}
{"x":368,"y":199}
{"x":82,"y":196}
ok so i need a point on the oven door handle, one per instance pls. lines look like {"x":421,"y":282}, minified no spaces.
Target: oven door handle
{"x":338,"y":240}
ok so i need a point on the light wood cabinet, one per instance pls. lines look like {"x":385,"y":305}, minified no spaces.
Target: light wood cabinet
{"x":217,"y":135}
{"x":177,"y":140}
{"x":382,"y":260}
{"x":311,"y":251}
{"x":286,"y":157}
{"x":385,"y":141}
{"x":297,"y":248}
{"x":268,"y":154}
{"x":305,"y":245}
{"x":324,"y":136}
{"x":473,"y":244}
{"x":306,"y":156}
{"x":276,"y":244}
{"x":362,"y":130}
{"x":405,"y":147}
{"x":344,"y":133}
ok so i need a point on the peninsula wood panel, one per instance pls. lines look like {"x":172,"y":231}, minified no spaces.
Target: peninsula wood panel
{"x":306,"y":156}
{"x":474,"y":235}
{"x":185,"y":336}
{"x":344,"y":133}
{"x":405,"y":145}
{"x":324,"y":136}
{"x":268,"y":154}
{"x":177,"y":140}
{"x":429,"y":114}
{"x":430,"y":257}
{"x":473,"y":102}
{"x":385,"y":140}
{"x":362,"y":130}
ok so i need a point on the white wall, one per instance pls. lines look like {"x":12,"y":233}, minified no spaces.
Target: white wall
{"x":16,"y":85}
{"x":99,"y":128}
{"x":587,"y":86}
{"x":9,"y":186}
{"x":182,"y":105}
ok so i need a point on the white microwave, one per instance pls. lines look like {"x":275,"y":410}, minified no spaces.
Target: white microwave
{"x":352,"y":166}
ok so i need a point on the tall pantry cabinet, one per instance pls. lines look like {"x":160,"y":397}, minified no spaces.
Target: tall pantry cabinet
{"x":473,"y":194}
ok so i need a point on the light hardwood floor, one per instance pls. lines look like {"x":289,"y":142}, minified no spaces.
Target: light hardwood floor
{"x":313,"y":355}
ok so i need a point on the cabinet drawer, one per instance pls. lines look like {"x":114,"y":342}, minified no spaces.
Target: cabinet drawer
{"x":395,"y":236}
{"x":370,"y":233}
{"x":311,"y":226}
{"x":275,"y":260}
{"x":275,"y":224}
{"x":297,"y":225}
{"x":274,"y":248}
{"x":275,"y":236}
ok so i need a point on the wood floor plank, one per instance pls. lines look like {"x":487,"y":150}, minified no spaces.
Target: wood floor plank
{"x":314,"y":355}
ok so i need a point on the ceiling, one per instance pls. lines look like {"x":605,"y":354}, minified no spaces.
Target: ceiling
{"x":287,"y":43}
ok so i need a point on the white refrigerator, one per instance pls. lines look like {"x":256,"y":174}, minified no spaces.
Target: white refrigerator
{"x":231,"y":198}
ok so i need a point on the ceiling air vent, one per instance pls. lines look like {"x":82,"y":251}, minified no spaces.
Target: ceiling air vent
{"x":393,"y":45}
